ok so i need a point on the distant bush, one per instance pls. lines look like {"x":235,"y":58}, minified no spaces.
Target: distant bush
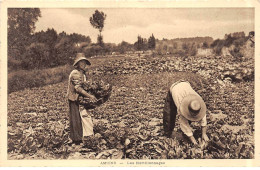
{"x":186,"y":50}
{"x":13,"y":64}
{"x":189,"y":49}
{"x":205,"y":45}
{"x":236,"y":52}
{"x":22,"y":79}
{"x":64,"y":52}
{"x":233,"y":42}
{"x":93,"y":50}
{"x":218,"y":49}
{"x":193,"y":50}
{"x":37,"y":55}
{"x":217,"y":46}
{"x":215,"y":43}
{"x":229,"y":41}
{"x":180,"y":53}
{"x":239,"y":42}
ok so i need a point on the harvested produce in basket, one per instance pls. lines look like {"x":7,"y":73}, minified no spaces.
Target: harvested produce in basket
{"x":99,"y":89}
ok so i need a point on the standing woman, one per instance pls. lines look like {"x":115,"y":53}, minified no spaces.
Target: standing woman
{"x":76,"y":78}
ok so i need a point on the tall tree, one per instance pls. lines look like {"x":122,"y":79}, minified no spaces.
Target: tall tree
{"x":139,"y":45}
{"x":21,"y":25}
{"x":151,"y":42}
{"x":100,"y":40}
{"x":98,"y":21}
{"x":48,"y":37}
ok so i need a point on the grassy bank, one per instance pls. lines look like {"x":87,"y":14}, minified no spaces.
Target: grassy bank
{"x":22,"y":79}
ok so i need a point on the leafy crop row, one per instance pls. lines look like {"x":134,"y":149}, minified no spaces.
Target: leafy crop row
{"x":129,"y":124}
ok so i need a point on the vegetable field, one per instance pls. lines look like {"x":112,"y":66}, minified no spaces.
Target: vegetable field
{"x":129,"y":125}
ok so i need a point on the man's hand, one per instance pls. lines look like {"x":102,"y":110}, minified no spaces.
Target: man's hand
{"x":204,"y":135}
{"x":193,"y":140}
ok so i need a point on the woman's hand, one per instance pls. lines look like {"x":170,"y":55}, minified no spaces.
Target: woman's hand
{"x":92,"y":98}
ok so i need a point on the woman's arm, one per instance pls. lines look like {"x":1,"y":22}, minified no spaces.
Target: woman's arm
{"x":81,"y":91}
{"x":77,"y":82}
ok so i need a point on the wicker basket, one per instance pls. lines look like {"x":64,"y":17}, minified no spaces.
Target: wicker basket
{"x":99,"y":89}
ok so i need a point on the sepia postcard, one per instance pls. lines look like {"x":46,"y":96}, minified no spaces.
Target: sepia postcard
{"x":129,"y":83}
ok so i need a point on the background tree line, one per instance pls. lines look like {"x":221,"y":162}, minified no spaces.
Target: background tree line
{"x":184,"y":47}
{"x":144,"y":44}
{"x":28,"y":49}
{"x":235,"y":42}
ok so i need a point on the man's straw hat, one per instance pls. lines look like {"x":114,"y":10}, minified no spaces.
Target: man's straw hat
{"x":193,"y":107}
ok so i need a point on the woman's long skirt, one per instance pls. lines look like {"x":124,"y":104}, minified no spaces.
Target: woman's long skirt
{"x":76,"y":131}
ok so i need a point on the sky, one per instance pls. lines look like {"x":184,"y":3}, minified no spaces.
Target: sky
{"x":125,"y":24}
